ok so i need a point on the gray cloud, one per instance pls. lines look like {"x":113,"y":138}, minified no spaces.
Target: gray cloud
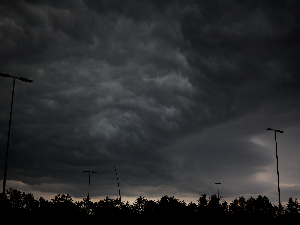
{"x":172,"y":93}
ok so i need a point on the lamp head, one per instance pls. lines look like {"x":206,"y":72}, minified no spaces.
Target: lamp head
{"x":280,"y":131}
{"x":25,"y":79}
{"x":4,"y":75}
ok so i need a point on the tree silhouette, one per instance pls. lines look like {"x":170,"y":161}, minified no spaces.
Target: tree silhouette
{"x":22,"y":207}
{"x":224,"y":206}
{"x":251,"y":206}
{"x":252,"y":209}
{"x":264,"y":206}
{"x":202,"y":204}
{"x":238,"y":206}
{"x":150,"y":209}
{"x":293,"y":207}
{"x":139,"y":205}
{"x":192,"y":207}
{"x":213,"y":203}
{"x":107,"y":207}
{"x":18,"y":200}
{"x":171,"y":210}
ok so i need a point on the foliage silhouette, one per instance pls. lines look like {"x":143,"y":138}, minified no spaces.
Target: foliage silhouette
{"x":293,"y":207}
{"x":17,"y":199}
{"x":21,"y":207}
{"x":170,"y":206}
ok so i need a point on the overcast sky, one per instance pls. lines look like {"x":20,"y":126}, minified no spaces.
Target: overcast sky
{"x":176,"y":94}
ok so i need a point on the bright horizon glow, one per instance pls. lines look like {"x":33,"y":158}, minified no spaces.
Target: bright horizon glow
{"x":22,"y":187}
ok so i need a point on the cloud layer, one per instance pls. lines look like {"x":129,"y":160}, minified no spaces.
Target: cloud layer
{"x":172,"y":93}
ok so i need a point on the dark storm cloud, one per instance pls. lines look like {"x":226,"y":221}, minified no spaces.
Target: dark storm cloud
{"x":247,"y":45}
{"x":139,"y":84}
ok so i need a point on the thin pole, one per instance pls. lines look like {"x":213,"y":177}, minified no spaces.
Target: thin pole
{"x":88,"y":197}
{"x":218,"y":194}
{"x":280,"y":131}
{"x":11,"y":106}
{"x":278,"y":175}
{"x":89,"y":185}
{"x":5,"y":170}
{"x":118,"y":183}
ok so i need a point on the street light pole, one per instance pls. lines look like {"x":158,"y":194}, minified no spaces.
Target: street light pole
{"x":218,"y":192}
{"x":280,"y":131}
{"x":89,"y":182}
{"x":11,"y":106}
{"x":118,"y":183}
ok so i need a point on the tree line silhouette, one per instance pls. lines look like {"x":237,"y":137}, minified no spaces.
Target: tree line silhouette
{"x":19,"y":206}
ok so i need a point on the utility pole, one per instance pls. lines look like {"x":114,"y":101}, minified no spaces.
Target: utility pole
{"x":11,"y":106}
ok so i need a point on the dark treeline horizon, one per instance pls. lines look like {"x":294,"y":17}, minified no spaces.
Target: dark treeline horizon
{"x":22,"y":206}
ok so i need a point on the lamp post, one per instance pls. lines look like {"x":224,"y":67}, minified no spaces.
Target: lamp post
{"x":280,"y":131}
{"x":118,"y":183}
{"x":218,"y":192}
{"x":12,"y":100}
{"x":89,"y":182}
